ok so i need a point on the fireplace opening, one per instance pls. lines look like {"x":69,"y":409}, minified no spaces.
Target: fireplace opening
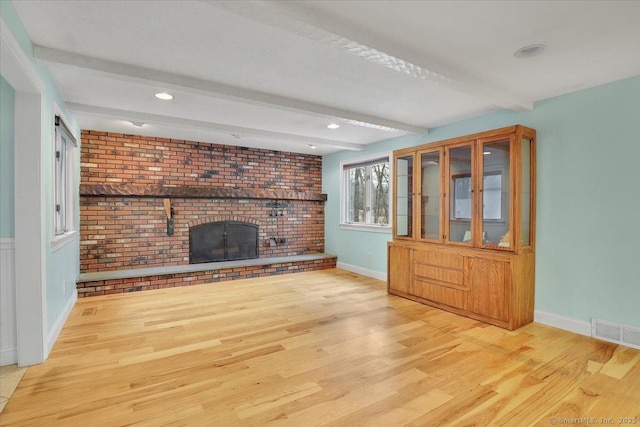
{"x":223,"y":241}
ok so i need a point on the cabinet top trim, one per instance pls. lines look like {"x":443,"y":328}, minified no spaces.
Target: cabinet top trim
{"x":519,"y":130}
{"x":468,"y":252}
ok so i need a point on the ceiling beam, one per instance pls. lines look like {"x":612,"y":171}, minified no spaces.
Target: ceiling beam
{"x":202,"y":125}
{"x":312,"y":24}
{"x":209,"y":88}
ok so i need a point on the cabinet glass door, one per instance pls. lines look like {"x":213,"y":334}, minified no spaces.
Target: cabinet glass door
{"x":495,"y":191}
{"x":431,"y":177}
{"x":460,"y":194}
{"x":404,"y":196}
{"x":525,"y":197}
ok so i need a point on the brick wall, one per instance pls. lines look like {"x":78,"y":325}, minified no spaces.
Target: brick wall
{"x":131,"y":159}
{"x":130,"y":232}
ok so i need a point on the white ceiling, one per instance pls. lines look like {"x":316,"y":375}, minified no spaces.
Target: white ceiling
{"x":273,"y":74}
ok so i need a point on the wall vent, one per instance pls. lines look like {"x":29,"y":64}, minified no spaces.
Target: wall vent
{"x":615,"y":332}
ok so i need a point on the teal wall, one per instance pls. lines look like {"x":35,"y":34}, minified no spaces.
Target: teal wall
{"x":63,"y":264}
{"x":7,"y":111}
{"x":588,"y":207}
{"x":588,"y":239}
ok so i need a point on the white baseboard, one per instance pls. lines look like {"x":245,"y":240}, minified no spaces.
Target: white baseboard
{"x":563,"y":322}
{"x":8,"y":357}
{"x":57,"y":327}
{"x":364,"y":271}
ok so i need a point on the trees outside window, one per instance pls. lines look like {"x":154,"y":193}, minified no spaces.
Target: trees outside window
{"x":367,"y":192}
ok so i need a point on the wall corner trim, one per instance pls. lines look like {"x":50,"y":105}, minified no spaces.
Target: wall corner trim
{"x":17,"y":69}
{"x":570,"y":324}
{"x":8,"y":348}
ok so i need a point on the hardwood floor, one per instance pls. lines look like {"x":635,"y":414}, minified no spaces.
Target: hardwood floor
{"x":318,"y":348}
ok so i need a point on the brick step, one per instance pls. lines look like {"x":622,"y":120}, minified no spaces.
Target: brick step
{"x":140,"y":279}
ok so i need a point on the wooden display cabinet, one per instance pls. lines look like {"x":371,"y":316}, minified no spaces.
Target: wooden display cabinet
{"x":464,"y":225}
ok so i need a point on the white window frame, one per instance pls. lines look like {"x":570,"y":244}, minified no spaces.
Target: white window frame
{"x":344,"y":202}
{"x":64,"y":195}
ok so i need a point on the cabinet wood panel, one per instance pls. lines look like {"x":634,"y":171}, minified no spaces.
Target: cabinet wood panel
{"x":446,"y":275}
{"x":440,"y":294}
{"x":440,"y":259}
{"x":399,"y":267}
{"x":490,"y":281}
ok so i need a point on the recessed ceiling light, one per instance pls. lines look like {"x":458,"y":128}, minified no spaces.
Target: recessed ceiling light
{"x":313,"y":147}
{"x":136,"y":124}
{"x":333,"y":126}
{"x":529,"y":51}
{"x":486,"y":153}
{"x":164,"y":96}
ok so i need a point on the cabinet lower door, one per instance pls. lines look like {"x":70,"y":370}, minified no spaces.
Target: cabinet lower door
{"x":490,"y":282}
{"x":400,"y":274}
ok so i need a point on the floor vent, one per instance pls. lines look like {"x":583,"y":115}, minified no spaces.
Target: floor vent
{"x":615,"y":332}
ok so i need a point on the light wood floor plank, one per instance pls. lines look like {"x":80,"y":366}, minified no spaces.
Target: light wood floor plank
{"x":318,"y":348}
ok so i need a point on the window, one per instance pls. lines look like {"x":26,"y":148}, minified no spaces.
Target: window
{"x":366,"y":192}
{"x":462,"y":197}
{"x":65,"y":143}
{"x":491,"y":195}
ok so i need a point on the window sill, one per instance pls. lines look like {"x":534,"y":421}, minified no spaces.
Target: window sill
{"x":386,"y":229}
{"x":61,"y":240}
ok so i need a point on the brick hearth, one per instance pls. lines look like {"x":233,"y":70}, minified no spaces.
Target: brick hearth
{"x":93,"y":287}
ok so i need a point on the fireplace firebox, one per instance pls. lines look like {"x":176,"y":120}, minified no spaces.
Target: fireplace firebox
{"x":223,"y":241}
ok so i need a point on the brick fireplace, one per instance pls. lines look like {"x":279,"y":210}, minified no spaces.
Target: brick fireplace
{"x":128,"y":182}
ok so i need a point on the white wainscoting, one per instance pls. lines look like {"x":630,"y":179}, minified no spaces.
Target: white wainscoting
{"x":8,"y":336}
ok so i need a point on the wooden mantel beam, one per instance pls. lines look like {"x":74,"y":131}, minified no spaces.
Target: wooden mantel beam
{"x":193,"y":192}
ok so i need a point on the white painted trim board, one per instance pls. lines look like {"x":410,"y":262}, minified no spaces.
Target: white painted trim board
{"x":52,"y":336}
{"x":562,"y":322}
{"x":380,"y":275}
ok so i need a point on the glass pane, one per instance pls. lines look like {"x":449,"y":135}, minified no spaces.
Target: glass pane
{"x":462,"y":200}
{"x":495,"y":194}
{"x":492,"y":196}
{"x":430,"y":226}
{"x":404,"y":202}
{"x":525,"y":198}
{"x":60,"y":183}
{"x":461,"y":195}
{"x":380,"y":193}
{"x":356,"y":183}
